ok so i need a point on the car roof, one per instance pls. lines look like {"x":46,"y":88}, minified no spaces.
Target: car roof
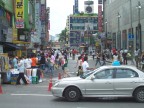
{"x":121,"y":66}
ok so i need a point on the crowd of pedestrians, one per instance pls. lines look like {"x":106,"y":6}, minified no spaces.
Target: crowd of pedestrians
{"x":45,"y":61}
{"x":136,"y":58}
{"x":50,"y":60}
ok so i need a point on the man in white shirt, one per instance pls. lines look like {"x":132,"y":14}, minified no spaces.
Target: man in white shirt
{"x":28,"y":62}
{"x":21,"y":68}
{"x":85,"y":66}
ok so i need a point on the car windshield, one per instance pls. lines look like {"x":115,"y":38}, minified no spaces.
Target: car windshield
{"x":85,"y":75}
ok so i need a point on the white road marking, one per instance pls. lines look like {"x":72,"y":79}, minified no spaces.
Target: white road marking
{"x":39,"y":86}
{"x":31,"y":95}
{"x":81,"y":107}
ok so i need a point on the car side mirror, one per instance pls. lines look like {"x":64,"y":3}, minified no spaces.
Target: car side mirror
{"x":92,"y":77}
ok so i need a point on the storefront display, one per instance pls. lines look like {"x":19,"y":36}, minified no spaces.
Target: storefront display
{"x":4,"y":63}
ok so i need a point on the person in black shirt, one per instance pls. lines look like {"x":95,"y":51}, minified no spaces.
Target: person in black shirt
{"x":42,"y":61}
{"x":98,"y":59}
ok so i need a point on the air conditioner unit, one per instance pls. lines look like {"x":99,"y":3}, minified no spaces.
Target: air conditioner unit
{"x":89,"y":7}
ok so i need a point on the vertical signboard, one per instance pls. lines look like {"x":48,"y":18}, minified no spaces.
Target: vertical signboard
{"x":19,"y":13}
{"x":43,"y":13}
{"x":100,"y":18}
{"x":43,"y":20}
{"x":35,"y":35}
{"x":76,"y":7}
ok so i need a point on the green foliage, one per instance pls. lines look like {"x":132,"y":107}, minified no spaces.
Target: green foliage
{"x":63,"y":35}
{"x":85,"y":15}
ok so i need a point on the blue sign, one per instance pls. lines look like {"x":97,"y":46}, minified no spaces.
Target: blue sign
{"x":130,"y":36}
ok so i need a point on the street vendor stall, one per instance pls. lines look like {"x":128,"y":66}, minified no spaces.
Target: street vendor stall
{"x":4,"y":66}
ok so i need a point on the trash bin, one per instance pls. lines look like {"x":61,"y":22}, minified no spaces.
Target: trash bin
{"x":35,"y":80}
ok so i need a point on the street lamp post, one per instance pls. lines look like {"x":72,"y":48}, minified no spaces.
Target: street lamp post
{"x":131,"y":39}
{"x":118,"y":34}
{"x":106,"y":33}
{"x":139,"y":26}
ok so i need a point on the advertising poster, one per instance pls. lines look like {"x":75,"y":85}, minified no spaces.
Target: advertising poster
{"x":19,"y":13}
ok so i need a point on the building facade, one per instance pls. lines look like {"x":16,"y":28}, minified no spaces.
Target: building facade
{"x":81,"y":29}
{"x":125,"y":23}
{"x":6,"y":23}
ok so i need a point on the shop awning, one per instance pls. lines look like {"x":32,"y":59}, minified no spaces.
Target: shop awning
{"x":7,"y":46}
{"x":11,"y":45}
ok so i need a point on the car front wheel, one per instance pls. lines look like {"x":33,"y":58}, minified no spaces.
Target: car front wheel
{"x":72,"y":94}
{"x":139,"y":95}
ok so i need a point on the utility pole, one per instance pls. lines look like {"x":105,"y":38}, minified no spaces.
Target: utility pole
{"x":106,"y":33}
{"x":131,"y":43}
{"x":118,"y":34}
{"x":139,"y":26}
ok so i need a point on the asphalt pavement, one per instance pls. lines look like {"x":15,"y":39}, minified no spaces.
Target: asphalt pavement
{"x":38,"y":96}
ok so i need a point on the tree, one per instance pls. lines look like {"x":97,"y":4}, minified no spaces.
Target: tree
{"x":63,"y":35}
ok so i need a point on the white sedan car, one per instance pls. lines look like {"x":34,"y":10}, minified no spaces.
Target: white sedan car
{"x":106,"y":81}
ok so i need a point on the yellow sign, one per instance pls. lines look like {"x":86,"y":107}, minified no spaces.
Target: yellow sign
{"x":14,"y":34}
{"x":19,"y":13}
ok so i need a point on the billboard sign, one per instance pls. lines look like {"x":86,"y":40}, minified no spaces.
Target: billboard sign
{"x":19,"y":13}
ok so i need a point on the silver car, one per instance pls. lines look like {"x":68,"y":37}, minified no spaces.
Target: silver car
{"x":106,"y":81}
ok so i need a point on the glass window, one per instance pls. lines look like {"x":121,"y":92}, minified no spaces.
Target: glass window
{"x":126,"y":73}
{"x":105,"y":74}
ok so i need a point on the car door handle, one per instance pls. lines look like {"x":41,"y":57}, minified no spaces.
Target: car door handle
{"x":108,"y":83}
{"x":133,"y":82}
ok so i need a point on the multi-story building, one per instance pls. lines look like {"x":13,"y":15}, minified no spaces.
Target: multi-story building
{"x":7,"y":21}
{"x":125,"y":23}
{"x":81,"y":26}
{"x":23,"y":24}
{"x":81,"y":29}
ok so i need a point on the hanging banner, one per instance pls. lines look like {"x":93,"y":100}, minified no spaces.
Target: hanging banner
{"x":19,"y":13}
{"x":100,"y":18}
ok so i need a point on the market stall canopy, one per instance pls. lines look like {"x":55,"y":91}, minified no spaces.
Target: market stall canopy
{"x":7,"y":46}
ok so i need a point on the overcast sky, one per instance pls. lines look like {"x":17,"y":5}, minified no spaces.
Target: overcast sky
{"x":59,"y":10}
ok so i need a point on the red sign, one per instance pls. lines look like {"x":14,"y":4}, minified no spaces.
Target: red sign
{"x":100,"y":18}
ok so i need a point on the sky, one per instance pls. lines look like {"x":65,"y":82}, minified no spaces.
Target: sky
{"x":59,"y":10}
